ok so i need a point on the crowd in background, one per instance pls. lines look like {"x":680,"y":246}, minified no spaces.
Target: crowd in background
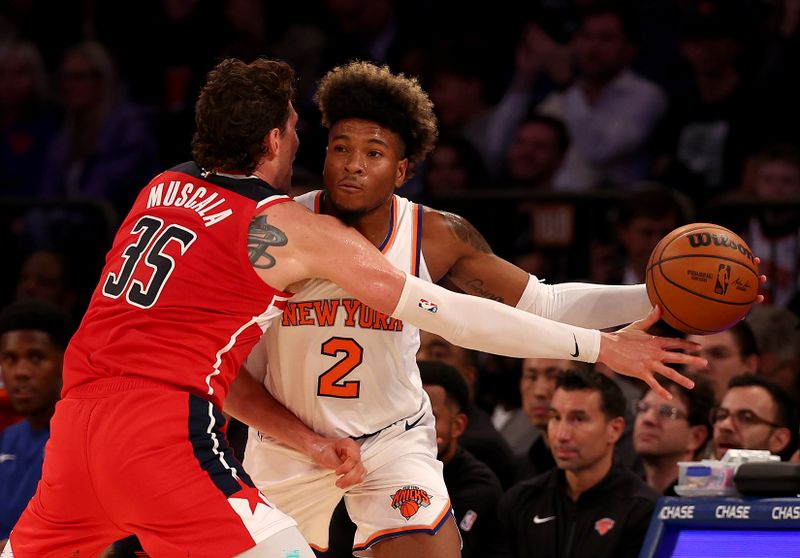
{"x":574,"y":134}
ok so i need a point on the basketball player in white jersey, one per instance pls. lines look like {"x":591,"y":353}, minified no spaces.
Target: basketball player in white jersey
{"x":347,"y":371}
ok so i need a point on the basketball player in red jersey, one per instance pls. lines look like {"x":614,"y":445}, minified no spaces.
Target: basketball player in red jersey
{"x":381,"y":125}
{"x":210,"y":252}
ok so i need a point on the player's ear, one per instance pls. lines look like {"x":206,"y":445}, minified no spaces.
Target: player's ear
{"x":272,"y":142}
{"x":401,"y":171}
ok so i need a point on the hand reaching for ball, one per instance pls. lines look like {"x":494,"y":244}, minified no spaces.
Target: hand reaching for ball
{"x":632,"y":351}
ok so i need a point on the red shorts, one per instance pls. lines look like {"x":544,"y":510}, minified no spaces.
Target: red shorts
{"x":132,"y":457}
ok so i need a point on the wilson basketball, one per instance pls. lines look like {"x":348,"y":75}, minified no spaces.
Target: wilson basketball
{"x":704,"y":277}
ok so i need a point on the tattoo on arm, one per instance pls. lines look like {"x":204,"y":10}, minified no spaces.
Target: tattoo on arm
{"x":260,"y":237}
{"x":465,"y":232}
{"x":477,"y":286}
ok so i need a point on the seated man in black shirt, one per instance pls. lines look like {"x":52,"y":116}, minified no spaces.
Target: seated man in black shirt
{"x":587,"y":506}
{"x":473,"y":487}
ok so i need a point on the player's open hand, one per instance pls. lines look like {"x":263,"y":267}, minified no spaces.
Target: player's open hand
{"x":344,"y":456}
{"x":632,"y":351}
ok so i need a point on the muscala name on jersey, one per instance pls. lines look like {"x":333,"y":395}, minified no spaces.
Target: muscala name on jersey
{"x":323,"y":313}
{"x":189,"y":196}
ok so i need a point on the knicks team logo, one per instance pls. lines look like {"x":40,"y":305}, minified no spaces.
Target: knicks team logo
{"x":428,"y":306}
{"x":408,"y":500}
{"x":604,"y":525}
{"x":723,"y":279}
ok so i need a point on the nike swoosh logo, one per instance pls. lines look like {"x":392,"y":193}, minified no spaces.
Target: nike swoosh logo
{"x":539,"y":520}
{"x":409,"y":426}
{"x":577,"y":350}
{"x":7,"y":457}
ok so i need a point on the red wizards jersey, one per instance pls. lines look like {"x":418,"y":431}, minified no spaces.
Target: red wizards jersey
{"x":178,"y":301}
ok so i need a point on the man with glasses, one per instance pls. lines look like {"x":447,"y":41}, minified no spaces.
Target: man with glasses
{"x":589,"y":506}
{"x":755,"y":414}
{"x":668,"y":431}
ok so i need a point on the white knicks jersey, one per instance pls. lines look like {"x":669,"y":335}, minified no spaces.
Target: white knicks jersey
{"x":343,"y":368}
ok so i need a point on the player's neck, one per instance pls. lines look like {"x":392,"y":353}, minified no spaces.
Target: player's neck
{"x":373,"y":224}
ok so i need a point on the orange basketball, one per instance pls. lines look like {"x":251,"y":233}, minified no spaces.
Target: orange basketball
{"x":408,"y":508}
{"x":704,"y":277}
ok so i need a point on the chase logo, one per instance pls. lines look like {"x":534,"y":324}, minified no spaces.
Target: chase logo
{"x":428,"y":306}
{"x":723,"y":279}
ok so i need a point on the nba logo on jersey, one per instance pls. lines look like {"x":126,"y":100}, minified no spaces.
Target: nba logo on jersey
{"x":428,"y":306}
{"x":604,"y":525}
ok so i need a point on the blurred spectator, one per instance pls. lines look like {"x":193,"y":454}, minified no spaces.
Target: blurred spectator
{"x":536,"y":154}
{"x":176,"y":59}
{"x":473,"y":488}
{"x":647,"y":216}
{"x":453,"y":166}
{"x":46,"y":275}
{"x":610,"y":111}
{"x":589,"y":506}
{"x":480,"y":437}
{"x":33,"y":336}
{"x":755,"y":414}
{"x":729,"y":353}
{"x":541,"y":64}
{"x":777,"y":333}
{"x":459,"y":91}
{"x":512,"y":420}
{"x":27,"y":122}
{"x":774,"y":232}
{"x":537,"y":385}
{"x":709,"y":130}
{"x":105,"y":149}
{"x":669,"y":431}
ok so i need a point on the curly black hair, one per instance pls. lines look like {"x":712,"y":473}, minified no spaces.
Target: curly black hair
{"x":238,"y":106}
{"x":365,"y":91}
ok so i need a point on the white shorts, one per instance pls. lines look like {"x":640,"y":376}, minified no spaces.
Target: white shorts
{"x":404,"y":491}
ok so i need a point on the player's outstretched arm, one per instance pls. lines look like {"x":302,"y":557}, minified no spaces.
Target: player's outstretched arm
{"x":320,"y":246}
{"x":251,"y":403}
{"x":454,"y":249}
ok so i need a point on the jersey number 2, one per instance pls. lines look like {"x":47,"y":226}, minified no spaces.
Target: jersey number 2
{"x":329,"y":383}
{"x":149,"y":247}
